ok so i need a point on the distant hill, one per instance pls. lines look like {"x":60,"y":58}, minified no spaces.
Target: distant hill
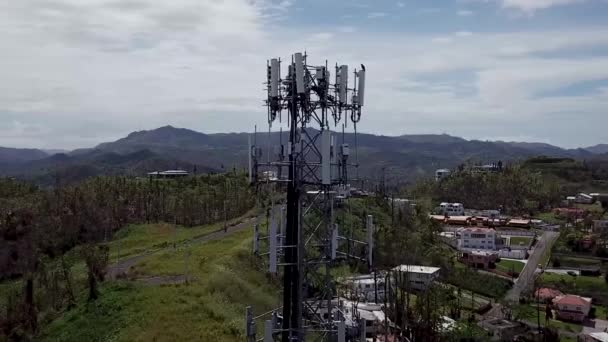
{"x":65,"y":168}
{"x":402,"y":158}
{"x":598,"y":149}
{"x":19,"y":155}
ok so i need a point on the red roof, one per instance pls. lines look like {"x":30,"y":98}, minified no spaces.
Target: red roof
{"x":571,"y":300}
{"x":546,"y":292}
{"x":478,"y":230}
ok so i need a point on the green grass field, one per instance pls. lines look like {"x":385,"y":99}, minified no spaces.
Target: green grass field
{"x":601,"y":312}
{"x":520,"y":240}
{"x":485,"y":284}
{"x":137,"y":239}
{"x":549,"y":217}
{"x":209,"y":308}
{"x":510,"y":265}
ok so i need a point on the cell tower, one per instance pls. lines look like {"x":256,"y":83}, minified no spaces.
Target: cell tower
{"x":303,"y":237}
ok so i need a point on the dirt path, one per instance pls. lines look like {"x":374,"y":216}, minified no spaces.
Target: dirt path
{"x":123,"y":266}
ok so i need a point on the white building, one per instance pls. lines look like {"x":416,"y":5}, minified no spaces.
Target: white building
{"x":583,"y":198}
{"x":168,"y":174}
{"x":478,"y":238}
{"x":451,"y":209}
{"x":441,"y":174}
{"x":418,"y":277}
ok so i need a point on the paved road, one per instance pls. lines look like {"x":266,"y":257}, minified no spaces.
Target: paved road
{"x":526,"y":277}
{"x":123,"y":266}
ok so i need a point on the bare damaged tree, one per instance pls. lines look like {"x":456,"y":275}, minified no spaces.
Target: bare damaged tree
{"x":96,"y":258}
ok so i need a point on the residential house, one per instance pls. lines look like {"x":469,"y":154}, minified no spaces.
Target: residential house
{"x":572,"y":308}
{"x":417,"y":277}
{"x":570,"y":213}
{"x":502,"y":329}
{"x":583,"y":198}
{"x":441,"y":174}
{"x":478,"y":238}
{"x":547,"y":294}
{"x":478,"y":258}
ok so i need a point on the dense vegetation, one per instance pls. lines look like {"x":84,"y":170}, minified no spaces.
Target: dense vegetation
{"x":573,"y":175}
{"x":45,"y":233}
{"x":515,"y":190}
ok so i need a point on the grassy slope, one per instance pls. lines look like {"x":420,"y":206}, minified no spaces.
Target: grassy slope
{"x":523,"y":240}
{"x":510,"y":265}
{"x":137,"y":239}
{"x":207,"y":309}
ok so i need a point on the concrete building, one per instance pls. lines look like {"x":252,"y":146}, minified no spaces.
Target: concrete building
{"x":363,"y":287}
{"x":502,"y":329}
{"x":441,"y":174}
{"x":572,"y":308}
{"x":478,"y":258}
{"x":418,"y":277}
{"x":451,"y":209}
{"x":168,"y":174}
{"x":478,"y":238}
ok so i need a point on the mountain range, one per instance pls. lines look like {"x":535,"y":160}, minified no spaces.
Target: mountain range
{"x":403,"y":158}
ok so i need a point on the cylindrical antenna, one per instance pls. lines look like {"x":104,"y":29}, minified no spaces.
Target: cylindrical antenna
{"x":299,"y":66}
{"x":342,"y":87}
{"x":275,"y":75}
{"x":361,"y":92}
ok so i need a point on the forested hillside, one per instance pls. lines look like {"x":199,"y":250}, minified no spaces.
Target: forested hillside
{"x":47,"y":235}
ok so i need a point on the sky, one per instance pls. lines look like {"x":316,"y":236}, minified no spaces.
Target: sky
{"x":75,"y":73}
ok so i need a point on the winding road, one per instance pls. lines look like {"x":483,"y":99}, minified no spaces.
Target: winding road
{"x":526,"y":276}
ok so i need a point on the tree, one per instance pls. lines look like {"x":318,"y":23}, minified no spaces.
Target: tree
{"x":96,"y":258}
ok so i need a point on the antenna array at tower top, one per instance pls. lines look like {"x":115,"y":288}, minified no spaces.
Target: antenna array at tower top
{"x":315,"y":88}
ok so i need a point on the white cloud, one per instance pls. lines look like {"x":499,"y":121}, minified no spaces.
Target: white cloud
{"x":428,"y":10}
{"x":530,"y":6}
{"x":374,"y":15}
{"x":465,"y":13}
{"x":400,"y":4}
{"x":346,"y":29}
{"x":77,"y":73}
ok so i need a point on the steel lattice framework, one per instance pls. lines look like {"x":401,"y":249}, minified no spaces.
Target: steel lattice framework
{"x":312,"y":168}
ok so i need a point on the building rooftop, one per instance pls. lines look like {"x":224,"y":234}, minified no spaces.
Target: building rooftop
{"x":478,"y":230}
{"x":599,"y":336}
{"x":547,"y":292}
{"x":169,"y":172}
{"x":481,"y":252}
{"x":417,"y":269}
{"x":571,"y":300}
{"x":519,"y":221}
